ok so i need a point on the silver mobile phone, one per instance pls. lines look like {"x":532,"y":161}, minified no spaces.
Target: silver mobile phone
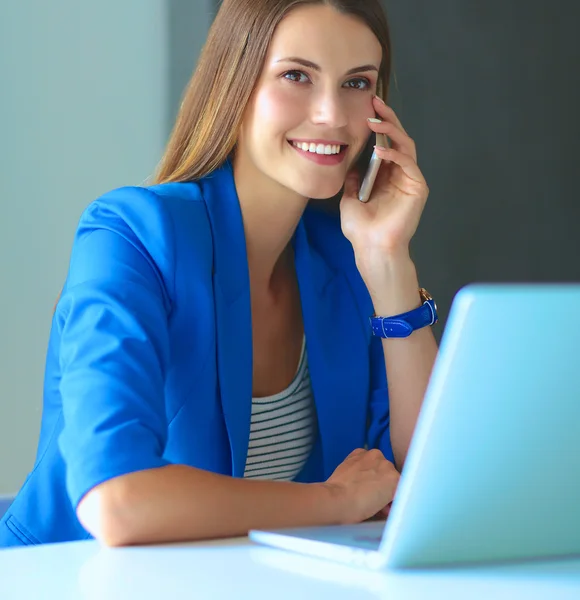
{"x":375,"y":164}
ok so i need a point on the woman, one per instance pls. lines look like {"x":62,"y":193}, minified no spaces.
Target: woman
{"x":211,"y":366}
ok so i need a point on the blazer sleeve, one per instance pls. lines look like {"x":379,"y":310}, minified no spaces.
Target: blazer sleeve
{"x":379,"y":431}
{"x":114,"y":341}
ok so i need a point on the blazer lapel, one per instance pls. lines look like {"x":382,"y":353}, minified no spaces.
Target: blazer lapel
{"x":337,"y":352}
{"x":335,"y":335}
{"x":233,"y":310}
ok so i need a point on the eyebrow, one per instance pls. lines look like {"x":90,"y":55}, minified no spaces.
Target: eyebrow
{"x":311,"y":65}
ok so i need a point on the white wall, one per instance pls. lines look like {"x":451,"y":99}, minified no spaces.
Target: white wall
{"x":83,"y":109}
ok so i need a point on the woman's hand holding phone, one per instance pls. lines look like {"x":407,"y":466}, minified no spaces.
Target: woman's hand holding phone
{"x":382,"y":228}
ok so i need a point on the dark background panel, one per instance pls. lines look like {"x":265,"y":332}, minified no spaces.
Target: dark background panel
{"x":490,"y":91}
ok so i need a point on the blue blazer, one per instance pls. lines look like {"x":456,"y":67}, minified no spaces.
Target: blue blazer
{"x":150,"y":354}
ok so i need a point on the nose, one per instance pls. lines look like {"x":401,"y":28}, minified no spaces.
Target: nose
{"x":329,"y":108}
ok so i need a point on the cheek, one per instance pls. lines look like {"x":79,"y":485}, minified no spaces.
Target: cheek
{"x":277,"y":108}
{"x":363,"y":110}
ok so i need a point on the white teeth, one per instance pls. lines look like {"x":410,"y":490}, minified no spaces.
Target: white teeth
{"x":317,"y":148}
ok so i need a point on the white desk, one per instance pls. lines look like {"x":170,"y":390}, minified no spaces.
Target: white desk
{"x":238,"y":569}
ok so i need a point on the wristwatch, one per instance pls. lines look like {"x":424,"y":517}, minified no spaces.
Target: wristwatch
{"x":402,"y":326}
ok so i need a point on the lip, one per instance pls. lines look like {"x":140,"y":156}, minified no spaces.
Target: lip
{"x":328,"y":160}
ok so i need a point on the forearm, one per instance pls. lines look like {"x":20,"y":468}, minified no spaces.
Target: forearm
{"x":180,"y":503}
{"x":409,"y":361}
{"x":409,"y":364}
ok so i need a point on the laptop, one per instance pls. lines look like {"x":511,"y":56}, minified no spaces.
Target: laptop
{"x":493,"y":470}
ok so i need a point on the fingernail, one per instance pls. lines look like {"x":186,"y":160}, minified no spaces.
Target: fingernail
{"x":380,"y":100}
{"x":372,"y":120}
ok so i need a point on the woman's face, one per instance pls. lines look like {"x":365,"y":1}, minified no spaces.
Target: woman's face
{"x":314,"y":94}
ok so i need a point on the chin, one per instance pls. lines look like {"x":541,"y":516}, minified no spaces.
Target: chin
{"x":323,"y":195}
{"x":320,"y":191}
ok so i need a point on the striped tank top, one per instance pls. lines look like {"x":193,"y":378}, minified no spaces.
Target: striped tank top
{"x":283,"y":429}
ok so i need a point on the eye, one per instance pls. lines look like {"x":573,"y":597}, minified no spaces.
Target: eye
{"x":296,"y":76}
{"x":360,"y":83}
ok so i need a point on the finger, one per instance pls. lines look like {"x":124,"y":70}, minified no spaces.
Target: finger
{"x":376,"y":453}
{"x":355,"y":453}
{"x":401,"y":141}
{"x":386,"y":112}
{"x":407,"y":164}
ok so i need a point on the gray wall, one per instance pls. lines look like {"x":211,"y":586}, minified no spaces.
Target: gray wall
{"x":490,"y":91}
{"x":188,"y":23}
{"x":86,"y":90}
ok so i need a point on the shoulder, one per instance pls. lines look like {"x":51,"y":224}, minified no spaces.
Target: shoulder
{"x":146,"y":211}
{"x":154,"y":229}
{"x":156,"y":219}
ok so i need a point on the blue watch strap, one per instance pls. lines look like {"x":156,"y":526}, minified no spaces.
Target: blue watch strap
{"x":401,"y":326}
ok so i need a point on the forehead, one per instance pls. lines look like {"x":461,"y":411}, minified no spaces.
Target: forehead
{"x":319,"y":32}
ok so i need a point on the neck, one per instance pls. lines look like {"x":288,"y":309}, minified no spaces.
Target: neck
{"x":271,"y":214}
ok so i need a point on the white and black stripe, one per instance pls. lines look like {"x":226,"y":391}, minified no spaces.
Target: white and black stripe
{"x":283,"y":430}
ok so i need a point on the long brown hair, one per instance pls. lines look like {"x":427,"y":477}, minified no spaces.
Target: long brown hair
{"x":210,"y":117}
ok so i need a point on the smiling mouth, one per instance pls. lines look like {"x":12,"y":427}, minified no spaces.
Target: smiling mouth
{"x":323,"y":155}
{"x":319,"y":149}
